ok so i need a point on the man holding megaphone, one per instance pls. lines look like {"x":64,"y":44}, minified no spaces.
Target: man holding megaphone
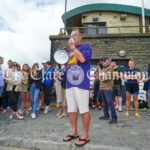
{"x":77,"y":86}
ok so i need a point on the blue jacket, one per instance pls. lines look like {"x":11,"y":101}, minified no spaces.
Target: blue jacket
{"x":43,"y":71}
{"x":48,"y":77}
{"x":146,"y":84}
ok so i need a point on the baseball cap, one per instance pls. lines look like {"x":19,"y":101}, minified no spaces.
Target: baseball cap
{"x":105,"y":58}
{"x":48,"y":63}
{"x":44,"y":62}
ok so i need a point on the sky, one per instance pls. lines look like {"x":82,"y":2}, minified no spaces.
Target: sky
{"x":25,"y":26}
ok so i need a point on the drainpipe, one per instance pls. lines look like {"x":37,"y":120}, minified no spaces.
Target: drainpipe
{"x":143,"y":17}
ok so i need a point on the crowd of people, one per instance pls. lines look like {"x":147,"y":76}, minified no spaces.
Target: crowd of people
{"x":26,"y":89}
{"x":129,"y":76}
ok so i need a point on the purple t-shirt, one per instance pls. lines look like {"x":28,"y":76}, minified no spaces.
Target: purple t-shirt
{"x":78,"y":74}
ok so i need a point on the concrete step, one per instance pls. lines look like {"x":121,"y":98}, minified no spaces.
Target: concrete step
{"x":12,"y":148}
{"x":39,"y":144}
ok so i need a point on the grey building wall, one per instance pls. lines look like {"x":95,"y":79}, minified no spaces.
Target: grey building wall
{"x":136,"y":46}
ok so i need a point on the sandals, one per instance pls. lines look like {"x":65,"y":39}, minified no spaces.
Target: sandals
{"x":84,"y":140}
{"x":71,"y":137}
{"x":137,"y":115}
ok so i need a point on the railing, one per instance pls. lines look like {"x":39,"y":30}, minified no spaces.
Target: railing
{"x":119,"y":29}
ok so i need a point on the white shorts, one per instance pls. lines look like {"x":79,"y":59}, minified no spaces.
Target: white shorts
{"x":77,"y":98}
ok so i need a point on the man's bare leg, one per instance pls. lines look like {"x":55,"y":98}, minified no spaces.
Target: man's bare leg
{"x":86,"y":123}
{"x":73,"y":120}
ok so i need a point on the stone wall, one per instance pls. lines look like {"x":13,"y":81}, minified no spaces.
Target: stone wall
{"x":136,"y":46}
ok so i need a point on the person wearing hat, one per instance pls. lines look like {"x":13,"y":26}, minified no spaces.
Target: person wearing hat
{"x":48,"y":81}
{"x":106,"y":84}
{"x":41,"y":97}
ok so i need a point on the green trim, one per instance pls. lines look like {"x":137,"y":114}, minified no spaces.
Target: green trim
{"x":106,"y":7}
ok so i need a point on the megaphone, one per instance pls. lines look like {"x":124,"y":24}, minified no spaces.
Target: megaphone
{"x":61,"y":57}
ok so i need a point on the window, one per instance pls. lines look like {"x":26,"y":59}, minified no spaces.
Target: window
{"x":101,"y":30}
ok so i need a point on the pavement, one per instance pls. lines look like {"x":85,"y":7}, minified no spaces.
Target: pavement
{"x":47,"y":131}
{"x":12,"y":148}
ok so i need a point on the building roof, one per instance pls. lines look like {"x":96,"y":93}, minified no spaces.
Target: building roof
{"x":104,"y":7}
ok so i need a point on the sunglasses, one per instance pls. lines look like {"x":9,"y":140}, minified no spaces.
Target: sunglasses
{"x":103,"y":60}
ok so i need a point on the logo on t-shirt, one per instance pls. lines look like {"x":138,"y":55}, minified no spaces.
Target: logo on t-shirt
{"x":75,"y":75}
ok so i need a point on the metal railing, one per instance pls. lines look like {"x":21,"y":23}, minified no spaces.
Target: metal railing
{"x":119,"y":29}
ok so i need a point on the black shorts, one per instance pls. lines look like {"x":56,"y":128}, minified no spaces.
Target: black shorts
{"x":117,"y":90}
{"x":132,"y":89}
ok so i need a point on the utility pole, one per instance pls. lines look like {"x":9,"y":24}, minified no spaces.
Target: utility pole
{"x":65,"y":23}
{"x":143,"y":17}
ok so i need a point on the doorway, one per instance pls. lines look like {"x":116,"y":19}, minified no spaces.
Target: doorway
{"x":121,"y":63}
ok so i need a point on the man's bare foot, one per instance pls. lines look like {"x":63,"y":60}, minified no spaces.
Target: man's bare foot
{"x":70,"y":137}
{"x":82,"y":141}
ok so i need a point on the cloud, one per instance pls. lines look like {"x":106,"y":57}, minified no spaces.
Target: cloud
{"x":32,"y":26}
{"x":4,"y":25}
{"x":25,"y":26}
{"x":75,"y":3}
